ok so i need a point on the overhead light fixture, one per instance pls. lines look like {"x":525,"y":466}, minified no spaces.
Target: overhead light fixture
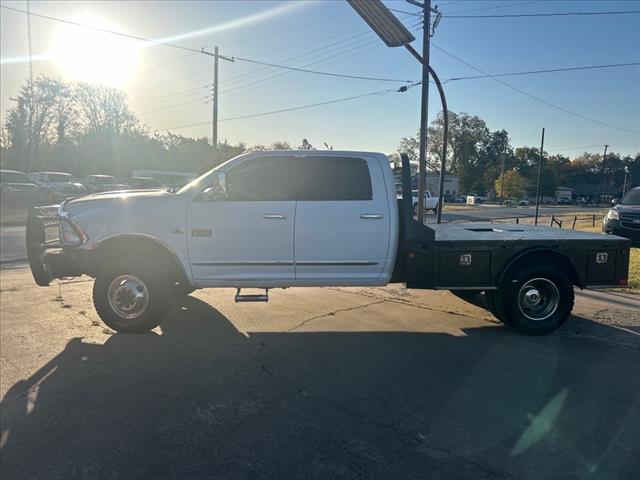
{"x":383,"y":22}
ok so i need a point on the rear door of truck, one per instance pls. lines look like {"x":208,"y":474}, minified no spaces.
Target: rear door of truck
{"x":342,"y":219}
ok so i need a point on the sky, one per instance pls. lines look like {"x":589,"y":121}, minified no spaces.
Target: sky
{"x":167,"y":87}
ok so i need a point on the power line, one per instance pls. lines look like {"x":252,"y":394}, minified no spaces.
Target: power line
{"x":173,"y":45}
{"x":566,"y":14}
{"x":161,"y":98}
{"x":355,"y":49}
{"x":301,"y":107}
{"x":318,"y":72}
{"x":551,"y":70}
{"x":289,"y":72}
{"x":100,"y":29}
{"x":306,"y":54}
{"x":171,"y":107}
{"x":538,"y":99}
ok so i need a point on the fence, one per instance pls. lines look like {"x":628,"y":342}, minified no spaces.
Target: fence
{"x":559,"y":221}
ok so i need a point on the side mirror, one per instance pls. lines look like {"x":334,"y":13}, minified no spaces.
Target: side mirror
{"x":615,"y":201}
{"x":216,"y":191}
{"x":219,"y":186}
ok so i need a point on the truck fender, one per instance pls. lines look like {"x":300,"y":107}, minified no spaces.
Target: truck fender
{"x":147,"y":246}
{"x":545,"y":252}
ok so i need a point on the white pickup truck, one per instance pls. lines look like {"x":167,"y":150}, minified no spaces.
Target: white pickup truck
{"x":430,"y":202}
{"x":299,"y":219}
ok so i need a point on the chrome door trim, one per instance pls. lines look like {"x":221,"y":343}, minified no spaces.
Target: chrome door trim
{"x":242,"y":264}
{"x":371,"y":216}
{"x":356,"y":263}
{"x":274,"y":216}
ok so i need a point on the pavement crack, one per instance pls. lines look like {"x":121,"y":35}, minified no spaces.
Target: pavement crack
{"x":334,"y":312}
{"x":408,"y":303}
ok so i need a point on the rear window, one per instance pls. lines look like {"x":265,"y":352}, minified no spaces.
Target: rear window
{"x":334,"y":178}
{"x":308,"y":178}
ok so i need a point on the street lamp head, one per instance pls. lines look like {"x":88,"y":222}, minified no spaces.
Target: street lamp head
{"x":392,"y":32}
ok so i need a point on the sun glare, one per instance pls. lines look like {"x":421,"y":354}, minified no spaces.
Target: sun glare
{"x":93,"y":56}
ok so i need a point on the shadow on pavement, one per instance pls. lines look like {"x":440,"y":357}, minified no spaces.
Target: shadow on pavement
{"x":203,"y":400}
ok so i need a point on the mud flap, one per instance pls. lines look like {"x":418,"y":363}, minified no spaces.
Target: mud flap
{"x":36,"y":239}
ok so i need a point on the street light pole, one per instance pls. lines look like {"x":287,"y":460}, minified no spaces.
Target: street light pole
{"x":424,"y":109}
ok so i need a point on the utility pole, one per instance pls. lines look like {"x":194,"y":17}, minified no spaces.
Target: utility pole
{"x":214,"y":120}
{"x":539,"y":176}
{"x":27,"y":165}
{"x":502,"y":178}
{"x":604,"y":159}
{"x":424,"y":107}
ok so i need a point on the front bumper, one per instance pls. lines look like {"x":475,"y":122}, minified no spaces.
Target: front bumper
{"x":48,"y":257}
{"x":615,"y":227}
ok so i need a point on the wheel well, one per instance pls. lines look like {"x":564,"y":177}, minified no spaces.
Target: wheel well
{"x":553,"y":257}
{"x":143,"y":250}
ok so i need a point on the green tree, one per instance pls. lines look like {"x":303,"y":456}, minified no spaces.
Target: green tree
{"x":511,"y":186}
{"x":466,"y":150}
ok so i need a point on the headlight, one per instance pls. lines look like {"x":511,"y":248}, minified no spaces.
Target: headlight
{"x":613,"y":215}
{"x":71,"y":233}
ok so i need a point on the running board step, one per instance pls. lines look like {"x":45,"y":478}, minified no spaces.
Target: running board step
{"x":251,"y":298}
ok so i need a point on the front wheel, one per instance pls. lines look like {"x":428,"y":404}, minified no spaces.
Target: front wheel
{"x":535,"y":298}
{"x":130,"y":299}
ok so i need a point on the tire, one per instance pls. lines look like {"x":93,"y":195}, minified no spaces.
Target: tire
{"x":115,"y":302}
{"x":490,"y":300}
{"x":536,"y":298}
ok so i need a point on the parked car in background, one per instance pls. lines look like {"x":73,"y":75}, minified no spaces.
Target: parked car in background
{"x":565,"y":201}
{"x":454,"y":199}
{"x":524,"y":203}
{"x":102,"y":183}
{"x":17,"y":190}
{"x":430,"y":202}
{"x":167,"y":178}
{"x":144,"y":183}
{"x":57,"y":186}
{"x":624,"y":219}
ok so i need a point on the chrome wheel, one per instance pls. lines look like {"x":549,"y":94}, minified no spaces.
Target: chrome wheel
{"x":538,"y":299}
{"x":128,"y":296}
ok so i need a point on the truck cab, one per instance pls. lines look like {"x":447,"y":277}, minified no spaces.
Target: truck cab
{"x":305,"y":218}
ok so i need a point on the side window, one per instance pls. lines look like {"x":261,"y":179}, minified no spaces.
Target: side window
{"x":308,"y":178}
{"x":334,"y":178}
{"x":262,"y":179}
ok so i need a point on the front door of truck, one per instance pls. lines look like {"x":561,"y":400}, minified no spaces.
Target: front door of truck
{"x":245,"y":235}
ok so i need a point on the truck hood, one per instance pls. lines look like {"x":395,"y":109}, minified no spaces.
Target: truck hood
{"x":119,"y":199}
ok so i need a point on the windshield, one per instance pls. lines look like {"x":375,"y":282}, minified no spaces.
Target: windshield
{"x":195,"y":182}
{"x":15,"y":177}
{"x":59,"y":177}
{"x":632,"y":198}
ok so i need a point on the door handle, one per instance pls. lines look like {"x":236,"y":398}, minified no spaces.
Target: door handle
{"x":371,"y":216}
{"x":274,"y":216}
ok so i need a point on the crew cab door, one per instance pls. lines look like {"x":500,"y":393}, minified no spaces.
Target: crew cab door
{"x":245,"y":237}
{"x":342,"y":220}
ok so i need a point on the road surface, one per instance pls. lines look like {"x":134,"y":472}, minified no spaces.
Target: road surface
{"x":318,"y":383}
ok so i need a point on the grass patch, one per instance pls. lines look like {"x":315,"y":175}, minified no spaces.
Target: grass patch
{"x":634,"y":269}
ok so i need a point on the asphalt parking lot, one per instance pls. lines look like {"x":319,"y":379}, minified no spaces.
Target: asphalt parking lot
{"x":318,"y":383}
